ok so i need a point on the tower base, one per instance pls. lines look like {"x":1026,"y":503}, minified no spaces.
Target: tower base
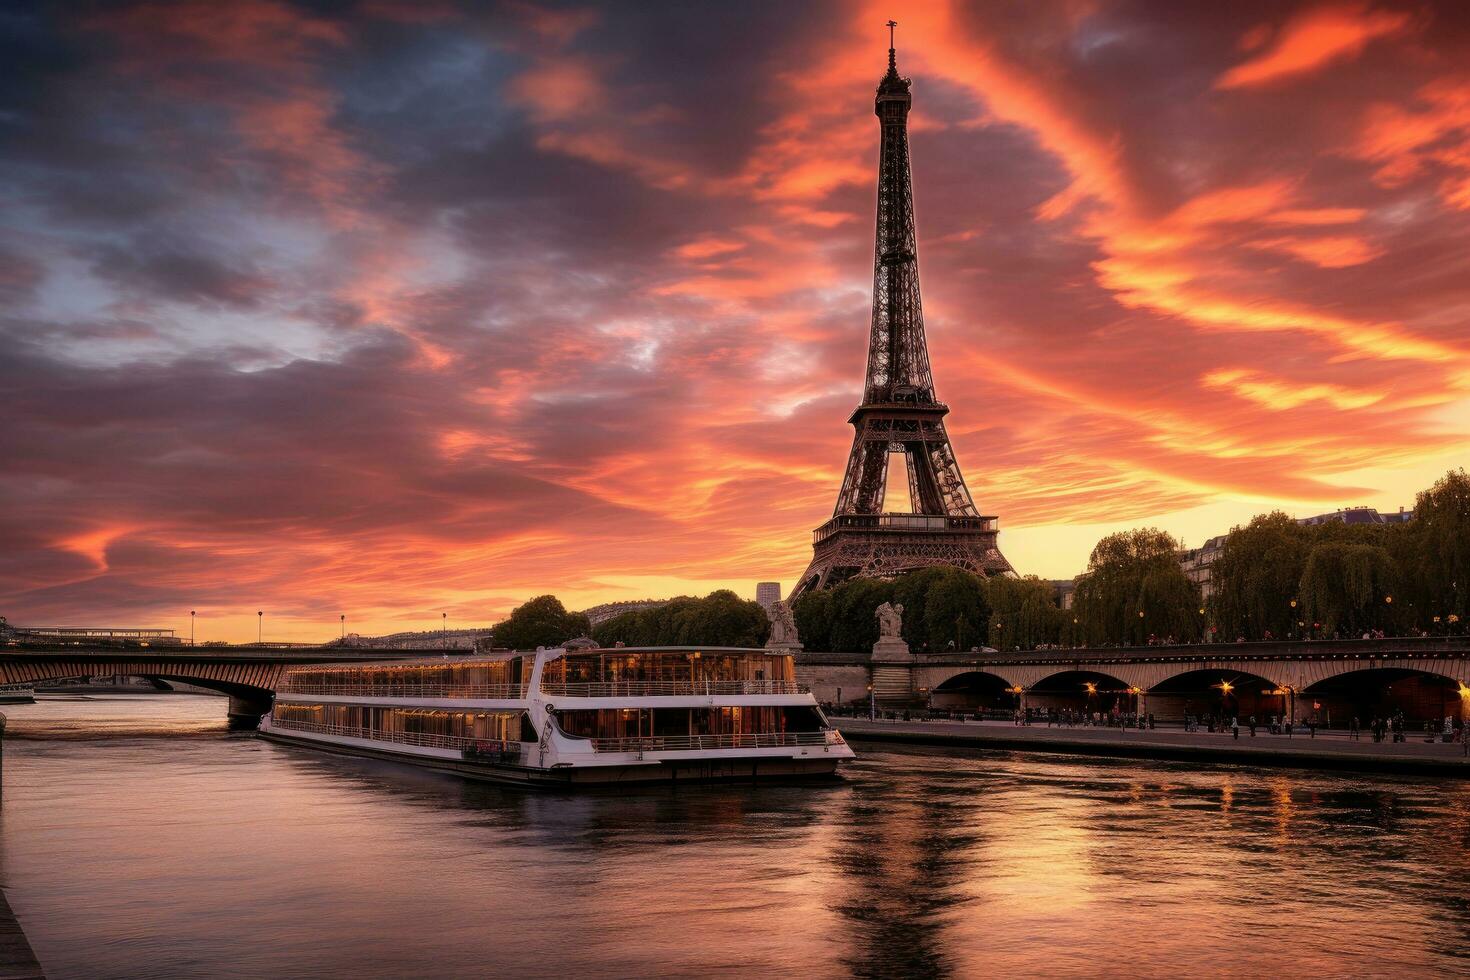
{"x":888,"y":545}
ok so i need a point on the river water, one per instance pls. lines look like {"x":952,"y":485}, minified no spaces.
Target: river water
{"x":139,"y":838}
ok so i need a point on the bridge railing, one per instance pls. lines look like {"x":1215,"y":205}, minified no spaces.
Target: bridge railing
{"x":694,"y":743}
{"x":612,"y":689}
{"x":475,"y":746}
{"x":465,"y":691}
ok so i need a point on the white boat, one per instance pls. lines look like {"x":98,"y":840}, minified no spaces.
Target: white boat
{"x":569,"y":716}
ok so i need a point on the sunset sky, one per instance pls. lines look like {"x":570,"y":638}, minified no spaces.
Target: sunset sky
{"x":388,"y":309}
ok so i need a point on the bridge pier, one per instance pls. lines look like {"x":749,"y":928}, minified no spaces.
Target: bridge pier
{"x":246,"y":711}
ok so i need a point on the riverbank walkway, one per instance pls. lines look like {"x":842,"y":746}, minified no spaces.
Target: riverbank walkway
{"x":1333,"y":751}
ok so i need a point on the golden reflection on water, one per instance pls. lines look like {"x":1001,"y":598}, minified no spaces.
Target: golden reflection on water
{"x":127,"y":853}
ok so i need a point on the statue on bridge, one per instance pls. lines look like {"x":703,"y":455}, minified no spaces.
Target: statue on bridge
{"x":783,"y":627}
{"x":890,"y":619}
{"x":890,"y":645}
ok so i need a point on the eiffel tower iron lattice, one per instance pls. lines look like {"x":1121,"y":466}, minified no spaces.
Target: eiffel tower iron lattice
{"x":899,"y":418}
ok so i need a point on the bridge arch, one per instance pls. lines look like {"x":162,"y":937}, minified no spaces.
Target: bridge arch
{"x":1417,"y":693}
{"x":249,"y":687}
{"x":1222,"y":690}
{"x":973,"y":690}
{"x":1081,"y":689}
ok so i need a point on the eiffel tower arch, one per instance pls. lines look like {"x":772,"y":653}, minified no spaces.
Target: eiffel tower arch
{"x":899,"y":427}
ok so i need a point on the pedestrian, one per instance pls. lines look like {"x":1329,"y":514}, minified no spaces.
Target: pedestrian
{"x":1235,"y":727}
{"x":1353,"y":728}
{"x":1252,"y":723}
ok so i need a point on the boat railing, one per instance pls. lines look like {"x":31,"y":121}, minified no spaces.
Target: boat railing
{"x":482,"y":691}
{"x":694,"y":743}
{"x":613,"y":689}
{"x":472,"y":747}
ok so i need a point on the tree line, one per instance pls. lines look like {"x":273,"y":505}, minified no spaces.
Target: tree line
{"x":719,"y":619}
{"x":1274,"y":579}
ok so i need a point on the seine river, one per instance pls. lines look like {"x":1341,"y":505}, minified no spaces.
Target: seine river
{"x":139,"y":838}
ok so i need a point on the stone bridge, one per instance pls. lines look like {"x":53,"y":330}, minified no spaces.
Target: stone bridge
{"x":1342,"y":676}
{"x":249,"y":675}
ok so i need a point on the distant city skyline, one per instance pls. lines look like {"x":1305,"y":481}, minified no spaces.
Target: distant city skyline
{"x":408,"y":314}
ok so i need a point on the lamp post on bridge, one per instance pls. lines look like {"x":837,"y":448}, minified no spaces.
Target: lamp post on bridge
{"x":260,"y":627}
{"x":444,"y":631}
{"x":191,"y":627}
{"x":343,"y":618}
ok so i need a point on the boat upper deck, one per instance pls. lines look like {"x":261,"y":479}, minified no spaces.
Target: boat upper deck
{"x":578,"y":672}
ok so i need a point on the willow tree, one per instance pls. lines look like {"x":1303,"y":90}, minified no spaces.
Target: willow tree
{"x":1440,"y":563}
{"x":1349,"y":588}
{"x":1023,"y":612}
{"x":1257,"y":577}
{"x":1135,"y":589}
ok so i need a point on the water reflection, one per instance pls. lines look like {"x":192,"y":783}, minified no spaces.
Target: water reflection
{"x":128,"y":850}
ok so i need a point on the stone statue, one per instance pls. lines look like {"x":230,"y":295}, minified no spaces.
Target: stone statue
{"x":783,"y":626}
{"x":890,"y":619}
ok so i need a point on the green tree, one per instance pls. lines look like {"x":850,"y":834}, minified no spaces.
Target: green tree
{"x":956,"y":613}
{"x":1132,"y":573}
{"x":719,"y":619}
{"x":854,"y":613}
{"x":944,"y":608}
{"x":1348,"y":587}
{"x":541,"y":622}
{"x":1257,"y":577}
{"x":1024,"y":612}
{"x":1439,"y":553}
{"x":813,"y":614}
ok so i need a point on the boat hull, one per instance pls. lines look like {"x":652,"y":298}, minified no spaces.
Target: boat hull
{"x":664,"y":771}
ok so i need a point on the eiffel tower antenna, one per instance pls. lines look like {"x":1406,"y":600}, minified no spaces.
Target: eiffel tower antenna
{"x":900,"y":421}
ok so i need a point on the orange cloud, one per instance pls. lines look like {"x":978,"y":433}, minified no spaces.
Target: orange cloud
{"x":1279,"y":395}
{"x":1334,"y":252}
{"x":1312,"y":40}
{"x":1430,"y":135}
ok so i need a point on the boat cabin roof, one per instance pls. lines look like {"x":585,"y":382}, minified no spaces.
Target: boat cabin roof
{"x":550,"y":653}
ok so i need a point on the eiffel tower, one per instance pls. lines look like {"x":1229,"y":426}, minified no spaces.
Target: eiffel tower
{"x":899,"y":419}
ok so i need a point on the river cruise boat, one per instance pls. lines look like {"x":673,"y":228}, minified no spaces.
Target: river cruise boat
{"x":569,"y":716}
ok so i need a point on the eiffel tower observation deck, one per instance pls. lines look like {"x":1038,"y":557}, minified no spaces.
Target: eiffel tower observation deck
{"x":900,"y":423}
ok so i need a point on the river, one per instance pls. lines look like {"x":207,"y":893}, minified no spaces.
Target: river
{"x":139,"y":838}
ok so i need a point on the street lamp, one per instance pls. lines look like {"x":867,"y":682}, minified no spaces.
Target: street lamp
{"x":260,"y":626}
{"x":343,"y":618}
{"x":191,"y":627}
{"x":444,"y":631}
